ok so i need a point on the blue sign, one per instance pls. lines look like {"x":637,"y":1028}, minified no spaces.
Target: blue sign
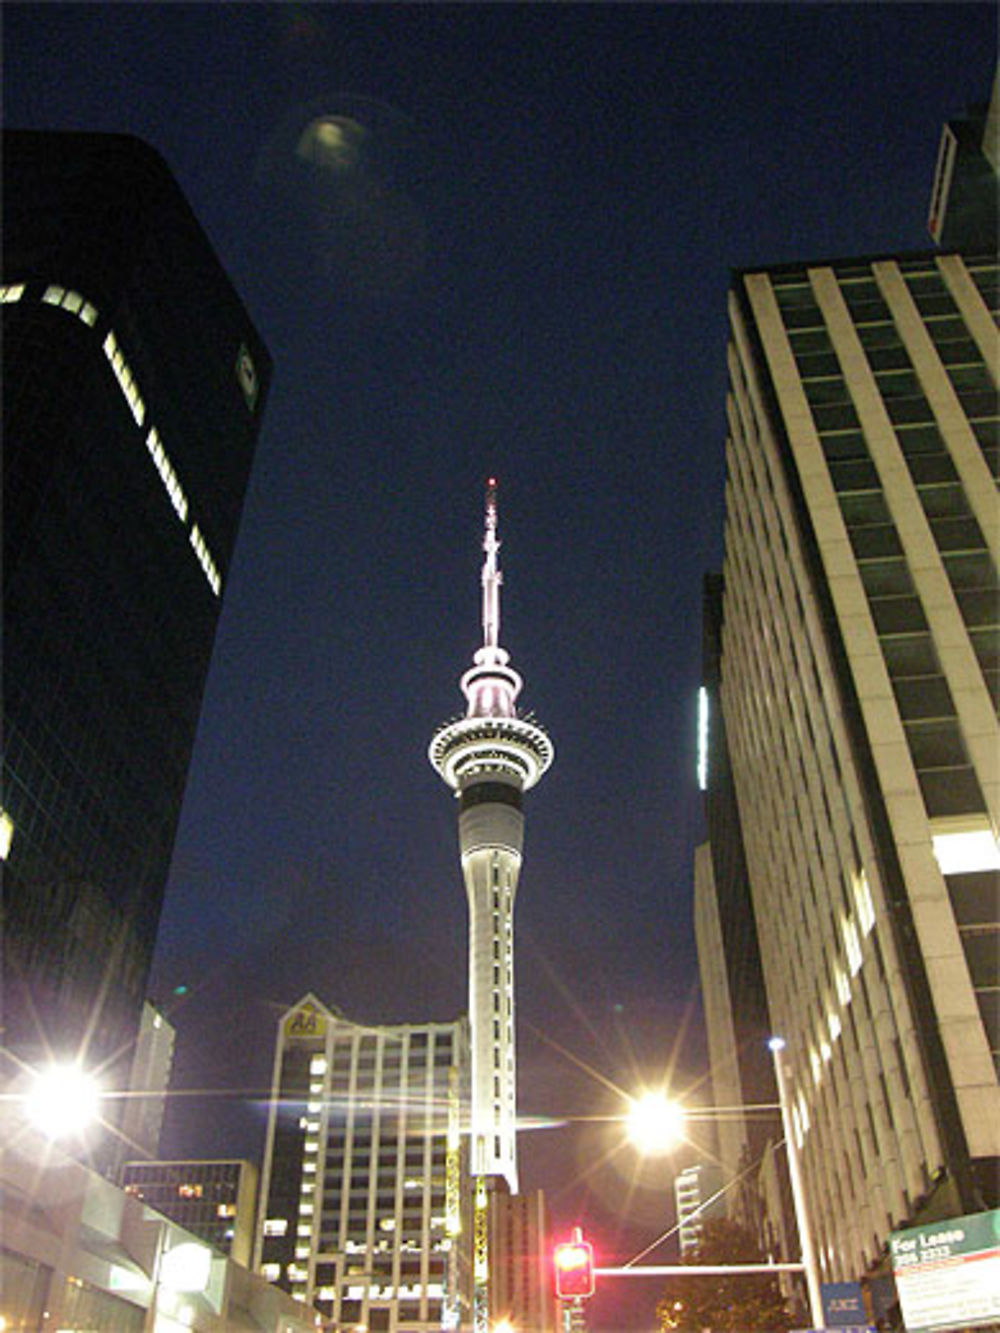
{"x":843,"y":1305}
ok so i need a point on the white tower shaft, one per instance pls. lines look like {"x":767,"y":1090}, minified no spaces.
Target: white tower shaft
{"x":490,"y":757}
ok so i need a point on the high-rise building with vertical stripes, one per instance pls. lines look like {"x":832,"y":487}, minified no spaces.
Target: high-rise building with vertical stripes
{"x":364,"y":1194}
{"x":134,"y":387}
{"x":859,"y":670}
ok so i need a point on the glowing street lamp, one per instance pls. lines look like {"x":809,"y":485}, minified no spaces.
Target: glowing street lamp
{"x":62,"y":1101}
{"x":655,"y":1123}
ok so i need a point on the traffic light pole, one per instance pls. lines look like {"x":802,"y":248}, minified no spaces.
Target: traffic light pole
{"x":695,"y":1270}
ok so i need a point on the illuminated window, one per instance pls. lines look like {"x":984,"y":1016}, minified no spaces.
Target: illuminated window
{"x":207,"y":563}
{"x":852,"y":945}
{"x":226,"y":1210}
{"x":6,"y":834}
{"x":703,"y":738}
{"x":271,"y":1271}
{"x":11,"y":292}
{"x":167,"y":474}
{"x":71,"y":301}
{"x":317,"y":1065}
{"x":964,"y":844}
{"x":863,"y":900}
{"x":188,"y":1191}
{"x":276,"y":1226}
{"x":124,"y":377}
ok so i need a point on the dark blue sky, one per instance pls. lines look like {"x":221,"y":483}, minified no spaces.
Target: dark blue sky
{"x":524,"y":274}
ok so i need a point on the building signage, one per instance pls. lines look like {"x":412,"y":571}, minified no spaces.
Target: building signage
{"x":843,"y":1304}
{"x":305,"y":1022}
{"x":948,"y":1273}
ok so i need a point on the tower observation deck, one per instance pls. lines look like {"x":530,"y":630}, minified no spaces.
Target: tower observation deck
{"x":490,"y":757}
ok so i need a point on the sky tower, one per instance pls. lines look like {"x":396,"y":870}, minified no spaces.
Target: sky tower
{"x":490,"y":758}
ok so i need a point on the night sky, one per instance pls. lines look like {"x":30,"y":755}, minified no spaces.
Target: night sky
{"x":510,"y":257}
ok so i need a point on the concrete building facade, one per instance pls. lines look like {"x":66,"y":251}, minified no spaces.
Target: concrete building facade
{"x":860,"y":659}
{"x":80,"y":1253}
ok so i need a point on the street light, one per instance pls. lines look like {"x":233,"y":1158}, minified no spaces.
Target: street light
{"x":776,"y":1046}
{"x":655,"y":1123}
{"x":62,"y":1101}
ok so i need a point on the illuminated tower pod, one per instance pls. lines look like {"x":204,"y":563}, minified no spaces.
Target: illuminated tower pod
{"x":490,"y":757}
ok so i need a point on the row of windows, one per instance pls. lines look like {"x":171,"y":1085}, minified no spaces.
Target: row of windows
{"x":76,"y":304}
{"x":775,"y":703}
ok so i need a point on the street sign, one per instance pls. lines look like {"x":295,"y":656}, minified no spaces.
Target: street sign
{"x":843,"y":1304}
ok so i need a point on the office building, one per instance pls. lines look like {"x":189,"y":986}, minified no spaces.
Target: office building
{"x":734,"y":1001}
{"x":698,"y":1196}
{"x":519,"y":1248}
{"x":364,"y":1193}
{"x":490,"y":757}
{"x":79,"y":1253}
{"x":963,"y":209}
{"x":133,"y":392}
{"x":146,"y":1104}
{"x":860,"y":659}
{"x":214,"y":1200}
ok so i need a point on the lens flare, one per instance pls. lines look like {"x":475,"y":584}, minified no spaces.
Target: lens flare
{"x":655,"y":1123}
{"x":63,"y":1101}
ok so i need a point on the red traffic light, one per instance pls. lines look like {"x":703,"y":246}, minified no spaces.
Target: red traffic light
{"x":574,"y":1261}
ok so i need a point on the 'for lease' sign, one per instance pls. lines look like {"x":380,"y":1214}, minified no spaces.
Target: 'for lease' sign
{"x":948,"y":1273}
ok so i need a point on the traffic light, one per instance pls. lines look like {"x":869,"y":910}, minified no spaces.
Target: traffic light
{"x":574,"y":1260}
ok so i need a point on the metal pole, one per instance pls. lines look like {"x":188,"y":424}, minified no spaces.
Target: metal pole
{"x":777,"y":1046}
{"x":695,"y":1270}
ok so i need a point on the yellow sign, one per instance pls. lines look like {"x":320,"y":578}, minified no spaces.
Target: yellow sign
{"x":305,"y":1022}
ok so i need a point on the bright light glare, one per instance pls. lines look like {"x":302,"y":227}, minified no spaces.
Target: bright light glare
{"x":655,"y":1123}
{"x":187,"y":1267}
{"x":63,"y":1101}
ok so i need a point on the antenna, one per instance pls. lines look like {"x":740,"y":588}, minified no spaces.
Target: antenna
{"x":492,"y":578}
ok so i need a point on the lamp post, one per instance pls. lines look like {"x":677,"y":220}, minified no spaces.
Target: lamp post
{"x":776,"y":1046}
{"x":654,"y":1120}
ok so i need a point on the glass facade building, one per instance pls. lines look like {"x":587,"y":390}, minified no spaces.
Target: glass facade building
{"x":365,"y":1181}
{"x":214,"y":1200}
{"x":133,"y":392}
{"x":859,"y":670}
